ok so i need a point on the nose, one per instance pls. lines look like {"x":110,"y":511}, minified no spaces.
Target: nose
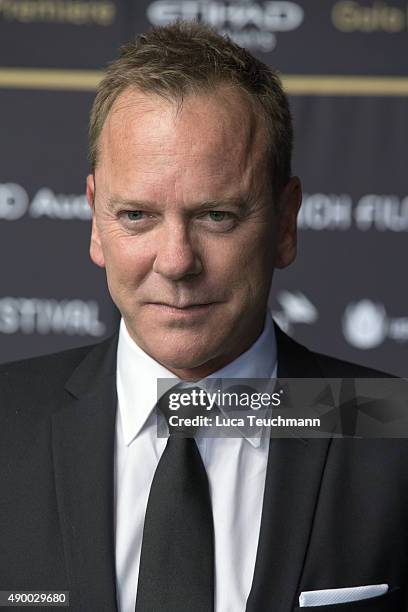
{"x":176,"y":258}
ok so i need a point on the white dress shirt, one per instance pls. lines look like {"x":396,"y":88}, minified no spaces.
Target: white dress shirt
{"x":236,"y":469}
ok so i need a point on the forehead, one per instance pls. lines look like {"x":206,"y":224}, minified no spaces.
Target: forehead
{"x":213,"y":138}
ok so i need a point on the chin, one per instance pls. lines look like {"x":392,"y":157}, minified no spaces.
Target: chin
{"x":178,"y":348}
{"x":182,"y":358}
{"x":179,"y":355}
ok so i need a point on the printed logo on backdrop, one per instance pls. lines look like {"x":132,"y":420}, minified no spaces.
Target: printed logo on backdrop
{"x":328,"y":211}
{"x":252,"y":24}
{"x":295,"y":308}
{"x":367,"y":324}
{"x":15,"y":204}
{"x":348,"y":16}
{"x":72,"y":317}
{"x":71,"y":12}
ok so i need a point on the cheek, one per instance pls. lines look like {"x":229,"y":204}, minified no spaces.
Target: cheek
{"x":127,"y":262}
{"x":244,"y":262}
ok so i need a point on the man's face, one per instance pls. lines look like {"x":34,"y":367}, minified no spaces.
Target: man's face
{"x":185,"y":223}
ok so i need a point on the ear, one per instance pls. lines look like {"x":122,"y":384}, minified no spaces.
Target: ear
{"x":95,"y":248}
{"x":289,"y":205}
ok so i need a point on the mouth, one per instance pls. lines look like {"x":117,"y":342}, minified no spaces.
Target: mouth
{"x":185,"y":310}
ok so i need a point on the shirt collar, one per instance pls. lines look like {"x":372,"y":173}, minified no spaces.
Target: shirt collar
{"x":137,"y":374}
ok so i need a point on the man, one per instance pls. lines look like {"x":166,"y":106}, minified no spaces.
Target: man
{"x":194,"y":206}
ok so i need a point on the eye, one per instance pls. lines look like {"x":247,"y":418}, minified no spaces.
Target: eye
{"x":217,"y":215}
{"x":134,"y":215}
{"x":219,"y":220}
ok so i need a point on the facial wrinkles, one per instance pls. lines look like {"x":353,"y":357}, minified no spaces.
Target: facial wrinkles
{"x":170,"y":172}
{"x":163,"y":146}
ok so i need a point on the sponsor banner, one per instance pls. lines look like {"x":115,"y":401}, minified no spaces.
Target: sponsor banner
{"x":50,"y":316}
{"x":60,"y":33}
{"x":364,"y":323}
{"x":295,"y":308}
{"x":31,"y":326}
{"x":15,"y":203}
{"x":301,"y":37}
{"x":254,"y":25}
{"x":367,"y":324}
{"x":329,"y":211}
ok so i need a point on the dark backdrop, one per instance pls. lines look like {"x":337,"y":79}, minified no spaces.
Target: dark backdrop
{"x":345,"y":67}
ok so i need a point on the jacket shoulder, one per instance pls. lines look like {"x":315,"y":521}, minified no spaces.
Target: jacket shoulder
{"x":40,"y":378}
{"x":298,"y":361}
{"x":333,"y":367}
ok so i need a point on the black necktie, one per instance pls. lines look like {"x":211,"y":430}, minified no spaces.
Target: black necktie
{"x":176,"y":571}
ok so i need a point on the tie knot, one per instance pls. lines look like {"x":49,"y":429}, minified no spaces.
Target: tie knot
{"x":183,"y":410}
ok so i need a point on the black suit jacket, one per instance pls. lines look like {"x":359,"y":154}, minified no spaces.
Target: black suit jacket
{"x":335,"y":512}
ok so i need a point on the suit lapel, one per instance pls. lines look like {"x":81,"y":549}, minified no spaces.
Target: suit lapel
{"x":83,"y":432}
{"x":294,"y":473}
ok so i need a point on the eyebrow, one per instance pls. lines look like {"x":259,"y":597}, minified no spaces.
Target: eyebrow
{"x":114,"y":202}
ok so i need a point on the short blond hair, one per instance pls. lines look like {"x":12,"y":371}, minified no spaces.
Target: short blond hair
{"x":187,"y":58}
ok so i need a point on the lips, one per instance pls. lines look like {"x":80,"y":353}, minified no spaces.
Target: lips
{"x":187,"y":313}
{"x":190,"y":309}
{"x":182,"y":307}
